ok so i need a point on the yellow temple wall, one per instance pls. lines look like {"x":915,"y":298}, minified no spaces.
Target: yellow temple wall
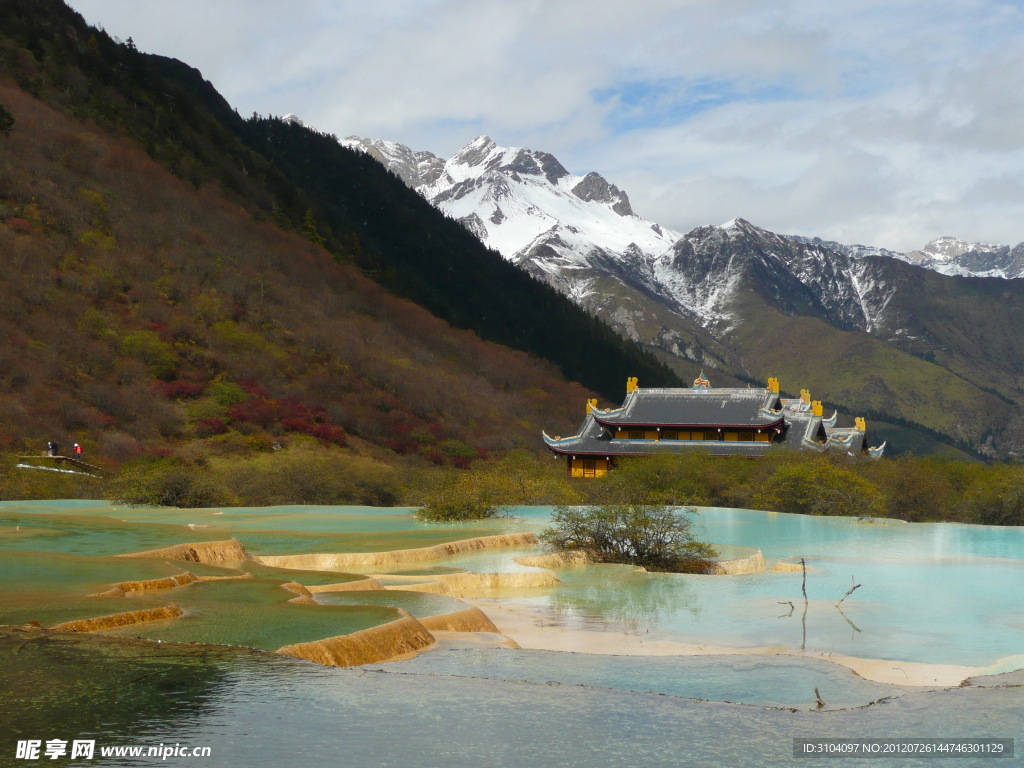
{"x":578,"y":469}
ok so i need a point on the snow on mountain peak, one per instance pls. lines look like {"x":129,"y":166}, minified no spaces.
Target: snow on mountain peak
{"x":947,"y":248}
{"x":512,"y":198}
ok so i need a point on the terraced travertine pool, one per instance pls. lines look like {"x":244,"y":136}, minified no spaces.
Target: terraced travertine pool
{"x":931,"y":596}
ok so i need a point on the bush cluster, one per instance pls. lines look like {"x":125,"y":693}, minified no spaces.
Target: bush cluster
{"x":304,"y":475}
{"x":915,"y":489}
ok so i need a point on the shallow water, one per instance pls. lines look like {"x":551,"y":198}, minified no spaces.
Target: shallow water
{"x":943,"y":593}
{"x":261,"y":711}
{"x":254,"y":613}
{"x":419,"y":604}
{"x":928,"y":592}
{"x":777,"y":681}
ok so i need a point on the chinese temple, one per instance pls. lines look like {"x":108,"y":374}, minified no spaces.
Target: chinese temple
{"x":719,"y":421}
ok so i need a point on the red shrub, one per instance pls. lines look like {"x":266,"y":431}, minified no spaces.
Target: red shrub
{"x":292,"y":424}
{"x":180,"y":390}
{"x":209,"y":427}
{"x":329,"y":433}
{"x":19,"y":226}
{"x":258,"y":410}
{"x":252,"y":387}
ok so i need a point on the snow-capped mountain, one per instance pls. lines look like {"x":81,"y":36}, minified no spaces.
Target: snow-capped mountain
{"x":528,"y":207}
{"x":580,"y":234}
{"x":710,"y":267}
{"x":416,"y":169}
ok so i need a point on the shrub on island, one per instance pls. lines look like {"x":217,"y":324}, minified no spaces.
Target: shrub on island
{"x":653,"y":536}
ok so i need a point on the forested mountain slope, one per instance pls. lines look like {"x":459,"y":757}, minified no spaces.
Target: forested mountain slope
{"x":141,"y":314}
{"x":303,"y":180}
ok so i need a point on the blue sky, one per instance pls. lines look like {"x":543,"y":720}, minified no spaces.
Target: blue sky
{"x":881,"y":123}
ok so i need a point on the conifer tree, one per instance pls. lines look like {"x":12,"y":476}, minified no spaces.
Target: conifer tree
{"x":6,"y":120}
{"x":310,"y":229}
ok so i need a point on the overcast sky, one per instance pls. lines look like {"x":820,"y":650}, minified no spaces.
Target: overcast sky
{"x":882,"y":123}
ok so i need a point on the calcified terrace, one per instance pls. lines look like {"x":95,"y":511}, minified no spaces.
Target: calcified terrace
{"x":354,"y":586}
{"x":68,"y":570}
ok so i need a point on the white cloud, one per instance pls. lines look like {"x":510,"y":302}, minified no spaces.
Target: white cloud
{"x":885,"y":123}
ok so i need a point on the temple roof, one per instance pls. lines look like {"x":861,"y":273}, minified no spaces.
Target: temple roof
{"x":593,"y":440}
{"x":698,"y":407}
{"x":795,"y":422}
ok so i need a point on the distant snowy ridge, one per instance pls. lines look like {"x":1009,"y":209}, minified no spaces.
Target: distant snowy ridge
{"x":522,"y":203}
{"x":946,"y":255}
{"x":680,"y":293}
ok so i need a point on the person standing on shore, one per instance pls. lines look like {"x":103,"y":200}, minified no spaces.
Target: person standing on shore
{"x":78,"y":451}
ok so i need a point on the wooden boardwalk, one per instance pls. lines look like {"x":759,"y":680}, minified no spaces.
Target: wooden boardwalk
{"x":61,"y":460}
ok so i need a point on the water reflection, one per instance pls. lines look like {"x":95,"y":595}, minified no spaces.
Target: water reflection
{"x":600,"y":594}
{"x":75,"y":686}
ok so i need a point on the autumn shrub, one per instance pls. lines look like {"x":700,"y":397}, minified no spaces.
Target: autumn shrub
{"x":653,"y":536}
{"x":285,"y":415}
{"x":308,"y":475}
{"x":181,"y":389}
{"x":329,"y":433}
{"x":147,"y":346}
{"x":460,"y":495}
{"x":19,"y":226}
{"x":915,"y":488}
{"x":226,"y":393}
{"x":693,"y":478}
{"x":996,"y":497}
{"x":819,"y":486}
{"x":167,"y":482}
{"x":209,"y":427}
{"x":493,"y":488}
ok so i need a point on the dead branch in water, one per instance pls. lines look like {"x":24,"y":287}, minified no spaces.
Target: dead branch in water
{"x":848,"y":592}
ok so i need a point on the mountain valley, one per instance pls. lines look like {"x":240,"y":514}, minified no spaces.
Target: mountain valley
{"x":913,"y":340}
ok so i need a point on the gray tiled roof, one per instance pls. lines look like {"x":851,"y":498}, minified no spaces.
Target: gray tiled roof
{"x":593,"y":440}
{"x":693,"y":407}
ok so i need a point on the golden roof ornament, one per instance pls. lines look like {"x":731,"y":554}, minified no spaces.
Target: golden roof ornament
{"x":700,"y":382}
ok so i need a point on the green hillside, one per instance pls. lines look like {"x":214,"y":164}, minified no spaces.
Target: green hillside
{"x":863,"y":376}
